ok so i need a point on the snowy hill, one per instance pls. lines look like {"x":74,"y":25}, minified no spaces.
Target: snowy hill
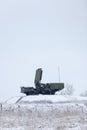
{"x":44,"y":112}
{"x":46,"y":98}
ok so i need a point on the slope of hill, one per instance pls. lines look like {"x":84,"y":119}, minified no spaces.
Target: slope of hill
{"x":44,"y":113}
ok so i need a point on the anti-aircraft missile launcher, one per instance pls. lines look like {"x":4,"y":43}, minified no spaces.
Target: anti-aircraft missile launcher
{"x":41,"y":88}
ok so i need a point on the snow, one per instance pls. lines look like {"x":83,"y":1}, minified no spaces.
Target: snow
{"x":46,"y":98}
{"x":53,"y":98}
{"x":44,"y":112}
{"x":20,"y":128}
{"x":14,"y":99}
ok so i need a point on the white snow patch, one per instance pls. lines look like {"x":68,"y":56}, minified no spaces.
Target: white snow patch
{"x":13,"y":128}
{"x":75,"y":128}
{"x":53,"y":98}
{"x":13,"y":100}
{"x":44,"y":112}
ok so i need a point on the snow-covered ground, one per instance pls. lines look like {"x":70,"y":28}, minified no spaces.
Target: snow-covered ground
{"x":44,"y":112}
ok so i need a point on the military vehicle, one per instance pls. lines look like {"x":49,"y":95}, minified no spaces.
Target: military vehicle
{"x":41,"y":88}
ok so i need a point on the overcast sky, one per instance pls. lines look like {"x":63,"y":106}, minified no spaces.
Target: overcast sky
{"x":45,"y":34}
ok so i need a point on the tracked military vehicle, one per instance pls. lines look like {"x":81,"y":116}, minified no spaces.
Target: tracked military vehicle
{"x":41,"y":88}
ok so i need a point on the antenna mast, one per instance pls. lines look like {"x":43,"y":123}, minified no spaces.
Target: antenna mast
{"x":59,"y":74}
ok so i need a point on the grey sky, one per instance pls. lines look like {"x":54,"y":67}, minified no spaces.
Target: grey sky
{"x":42,"y":33}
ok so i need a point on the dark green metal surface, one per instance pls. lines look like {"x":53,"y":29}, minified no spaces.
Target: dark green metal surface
{"x":41,"y":88}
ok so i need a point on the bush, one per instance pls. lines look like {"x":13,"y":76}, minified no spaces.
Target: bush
{"x":84,"y":94}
